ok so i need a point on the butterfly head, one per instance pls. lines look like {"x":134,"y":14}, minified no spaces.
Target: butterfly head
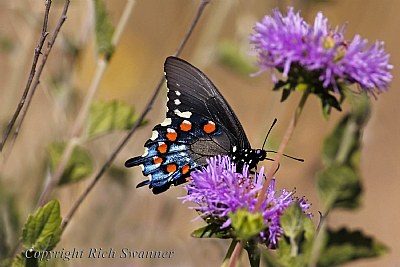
{"x":260,"y":154}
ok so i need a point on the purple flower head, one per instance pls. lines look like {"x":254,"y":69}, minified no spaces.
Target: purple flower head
{"x":319,"y":54}
{"x":219,"y":191}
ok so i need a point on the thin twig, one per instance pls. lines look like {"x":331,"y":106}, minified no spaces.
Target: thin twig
{"x":50,"y":45}
{"x":123,"y":142}
{"x":319,"y":239}
{"x":236,"y":253}
{"x":282,"y":146}
{"x":229,"y":253}
{"x":37,"y":52}
{"x":101,"y":67}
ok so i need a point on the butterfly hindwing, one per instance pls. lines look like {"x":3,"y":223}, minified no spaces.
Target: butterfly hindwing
{"x":199,"y":124}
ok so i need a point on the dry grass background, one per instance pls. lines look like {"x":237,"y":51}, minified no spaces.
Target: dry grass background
{"x":116,"y":214}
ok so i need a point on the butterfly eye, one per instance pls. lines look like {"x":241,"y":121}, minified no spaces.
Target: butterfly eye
{"x":261,"y":154}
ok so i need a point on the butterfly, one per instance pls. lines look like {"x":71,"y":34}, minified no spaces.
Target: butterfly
{"x":199,"y":124}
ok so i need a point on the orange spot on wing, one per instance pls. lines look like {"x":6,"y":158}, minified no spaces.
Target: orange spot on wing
{"x":185,"y":126}
{"x":171,"y":136}
{"x":171,"y":167}
{"x":162,"y":148}
{"x":209,"y":127}
{"x":157,"y":160}
{"x":185,"y":169}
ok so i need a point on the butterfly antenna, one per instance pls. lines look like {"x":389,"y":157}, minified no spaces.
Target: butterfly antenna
{"x":298,"y":159}
{"x":270,"y":128}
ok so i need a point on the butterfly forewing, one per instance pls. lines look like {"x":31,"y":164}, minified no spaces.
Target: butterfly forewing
{"x":196,"y":93}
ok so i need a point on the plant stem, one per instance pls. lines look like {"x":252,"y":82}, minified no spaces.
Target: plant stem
{"x":319,"y":240}
{"x":254,"y":252}
{"x":229,"y":253}
{"x":236,"y":254}
{"x":37,"y":53}
{"x":342,"y":153}
{"x":347,"y":140}
{"x":285,"y":140}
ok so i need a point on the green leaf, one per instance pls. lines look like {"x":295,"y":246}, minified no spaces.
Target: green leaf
{"x":211,"y":231}
{"x":231,"y":55}
{"x":328,"y":101}
{"x":105,"y":117}
{"x":361,"y":106}
{"x":119,"y":176}
{"x":281,"y":84}
{"x":22,"y":261}
{"x":104,"y":30}
{"x":292,"y":221}
{"x":42,"y":230}
{"x":6,"y":44}
{"x":294,"y":249}
{"x":269,"y":258}
{"x":3,"y":238}
{"x":79,"y":165}
{"x":4,"y":262}
{"x":343,"y":145}
{"x":339,"y":183}
{"x":19,"y":261}
{"x":9,"y":220}
{"x":246,"y":224}
{"x":339,"y":187}
{"x":343,"y":246}
{"x":285,"y":94}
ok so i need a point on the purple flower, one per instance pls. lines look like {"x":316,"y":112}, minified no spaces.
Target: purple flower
{"x":294,"y":47}
{"x":219,"y":191}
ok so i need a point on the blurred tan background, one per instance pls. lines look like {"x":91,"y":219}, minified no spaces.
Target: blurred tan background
{"x":118,"y":215}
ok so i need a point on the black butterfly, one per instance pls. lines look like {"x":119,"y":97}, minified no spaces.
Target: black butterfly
{"x":199,"y":124}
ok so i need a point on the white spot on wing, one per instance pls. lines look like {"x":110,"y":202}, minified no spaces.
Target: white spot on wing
{"x":146,"y":152}
{"x":183,"y":154}
{"x":170,"y":130}
{"x":154,"y":135}
{"x":158,"y":164}
{"x":166,"y":122}
{"x":177,"y":84}
{"x":234,"y":148}
{"x":177,"y":102}
{"x":185,"y":114}
{"x":177,"y":93}
{"x":142,"y":167}
{"x":187,"y":159}
{"x":150,"y":177}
